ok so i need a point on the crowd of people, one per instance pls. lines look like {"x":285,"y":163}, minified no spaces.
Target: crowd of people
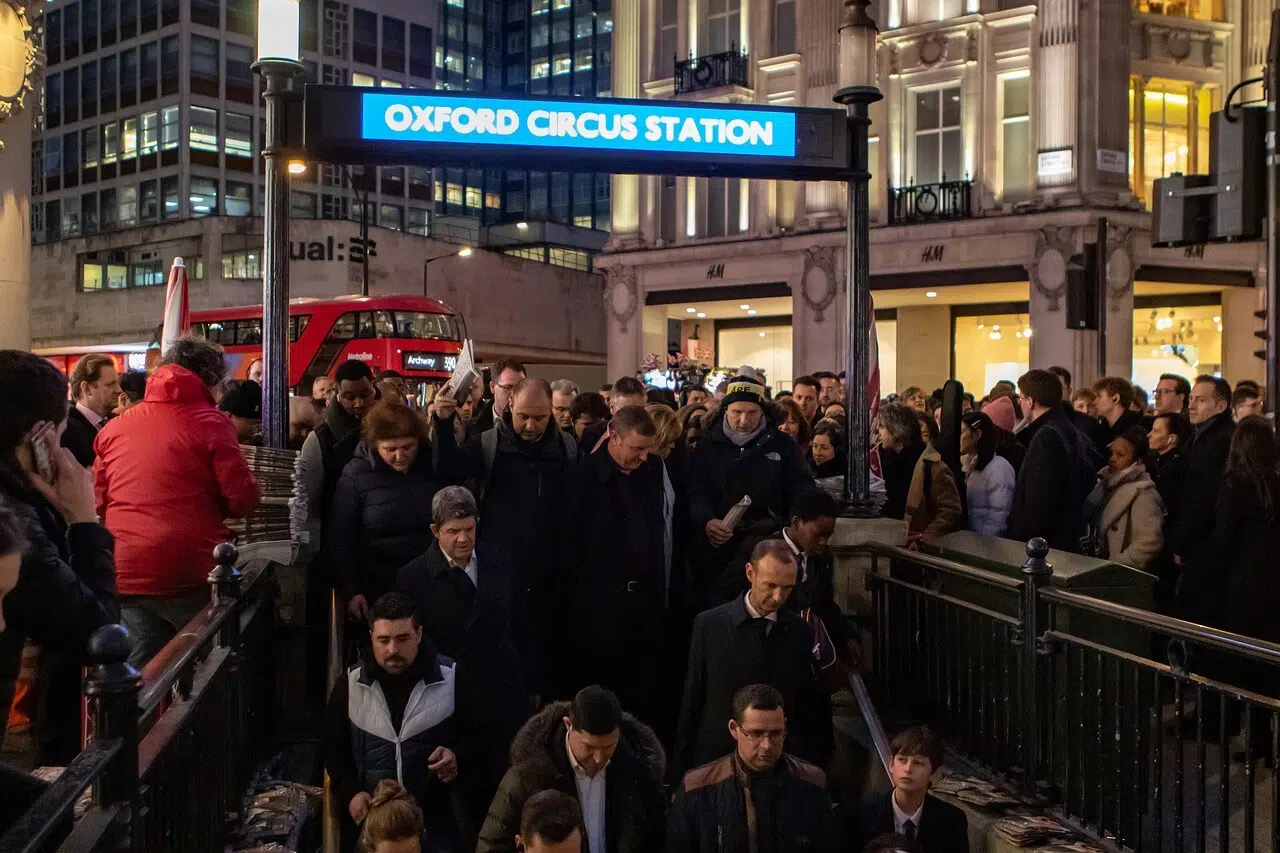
{"x":1182,"y":487}
{"x":598,"y":620}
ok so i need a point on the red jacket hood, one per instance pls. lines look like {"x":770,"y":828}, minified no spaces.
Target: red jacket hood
{"x":172,"y":383}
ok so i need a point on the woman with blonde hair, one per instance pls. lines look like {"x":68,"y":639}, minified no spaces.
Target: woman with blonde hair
{"x":394,"y":823}
{"x":668,"y":424}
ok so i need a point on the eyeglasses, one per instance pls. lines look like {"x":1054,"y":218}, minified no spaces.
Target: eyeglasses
{"x":774,"y":735}
{"x":1160,"y":392}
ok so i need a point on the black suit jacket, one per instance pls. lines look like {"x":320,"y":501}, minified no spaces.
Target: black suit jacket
{"x":725,"y":655}
{"x":943,"y":827}
{"x":815,"y":591}
{"x":79,"y":437}
{"x":478,"y":634}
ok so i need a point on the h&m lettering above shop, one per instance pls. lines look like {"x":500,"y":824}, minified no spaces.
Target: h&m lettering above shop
{"x":328,"y":250}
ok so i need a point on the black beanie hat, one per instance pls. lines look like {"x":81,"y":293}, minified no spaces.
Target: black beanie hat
{"x":743,"y":389}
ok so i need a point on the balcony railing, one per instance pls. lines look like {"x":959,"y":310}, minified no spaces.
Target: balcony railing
{"x":944,"y":200}
{"x":731,"y":68}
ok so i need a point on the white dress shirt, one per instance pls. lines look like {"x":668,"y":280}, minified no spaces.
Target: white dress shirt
{"x":591,"y":796}
{"x":95,"y":420}
{"x":472,"y":568}
{"x":755,"y":614}
{"x":799,"y":554}
{"x":900,"y":818}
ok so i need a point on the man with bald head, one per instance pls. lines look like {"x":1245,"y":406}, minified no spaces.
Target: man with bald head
{"x":521,"y":471}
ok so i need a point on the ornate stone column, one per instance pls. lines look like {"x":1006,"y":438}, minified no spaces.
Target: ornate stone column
{"x":1056,"y":87}
{"x":623,"y":305}
{"x":18,"y":64}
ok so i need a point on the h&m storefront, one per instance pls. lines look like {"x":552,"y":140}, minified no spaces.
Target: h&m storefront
{"x":980,"y":300}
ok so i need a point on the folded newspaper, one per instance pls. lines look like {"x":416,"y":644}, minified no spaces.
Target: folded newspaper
{"x":464,"y":375}
{"x":737,"y":511}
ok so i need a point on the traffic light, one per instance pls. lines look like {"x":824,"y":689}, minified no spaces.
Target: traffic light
{"x":1086,"y":284}
{"x":1229,"y":203}
{"x":1264,"y":334}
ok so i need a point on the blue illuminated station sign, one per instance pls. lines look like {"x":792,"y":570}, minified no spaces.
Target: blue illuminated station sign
{"x":376,"y":126}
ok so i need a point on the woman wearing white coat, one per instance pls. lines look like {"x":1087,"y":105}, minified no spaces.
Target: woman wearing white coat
{"x":989,"y":478}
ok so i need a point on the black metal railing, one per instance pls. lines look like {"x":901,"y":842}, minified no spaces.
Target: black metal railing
{"x":730,"y":68}
{"x":937,"y":202}
{"x":171,"y":748}
{"x":1154,"y":733}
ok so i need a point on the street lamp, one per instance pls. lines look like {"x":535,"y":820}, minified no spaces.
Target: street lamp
{"x":279,"y":55}
{"x":857,"y":76}
{"x":464,"y":252}
{"x":299,"y":167}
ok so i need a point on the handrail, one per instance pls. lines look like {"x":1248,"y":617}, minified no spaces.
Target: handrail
{"x":879,"y":549}
{"x":164,"y":670}
{"x":37,"y":825}
{"x":169,"y":665}
{"x":1259,"y":650}
{"x":872,"y":719}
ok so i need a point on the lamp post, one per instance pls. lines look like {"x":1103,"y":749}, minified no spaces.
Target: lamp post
{"x":857,"y":76}
{"x":279,"y":55}
{"x":362,"y":193}
{"x":464,"y":252}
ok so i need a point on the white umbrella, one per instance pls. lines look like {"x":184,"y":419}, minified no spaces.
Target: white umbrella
{"x":177,"y":311}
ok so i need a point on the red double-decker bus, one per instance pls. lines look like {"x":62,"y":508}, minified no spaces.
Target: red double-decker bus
{"x":416,"y":335}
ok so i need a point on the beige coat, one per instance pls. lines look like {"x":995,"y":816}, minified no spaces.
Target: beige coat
{"x":1131,"y":528}
{"x":940,"y":512}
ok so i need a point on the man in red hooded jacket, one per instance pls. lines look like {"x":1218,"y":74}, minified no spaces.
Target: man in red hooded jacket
{"x":168,"y":474}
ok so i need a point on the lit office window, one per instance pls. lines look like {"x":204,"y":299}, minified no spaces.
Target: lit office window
{"x":203,"y":195}
{"x":237,"y":135}
{"x":110,"y":142}
{"x":204,"y":129}
{"x":246,"y":263}
{"x":150,"y":133}
{"x":238,"y":200}
{"x":360,"y":79}
{"x":169,"y":129}
{"x":129,"y":139}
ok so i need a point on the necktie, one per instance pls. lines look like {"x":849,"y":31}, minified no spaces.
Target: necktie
{"x":909,"y":829}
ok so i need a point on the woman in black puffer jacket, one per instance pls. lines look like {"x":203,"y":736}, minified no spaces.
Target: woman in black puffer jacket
{"x":381,"y":516}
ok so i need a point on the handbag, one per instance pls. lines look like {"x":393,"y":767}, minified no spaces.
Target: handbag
{"x":828,"y":666}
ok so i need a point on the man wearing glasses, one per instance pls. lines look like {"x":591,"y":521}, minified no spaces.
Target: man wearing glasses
{"x":1173,"y":392}
{"x":758,"y":797}
{"x":506,"y":373}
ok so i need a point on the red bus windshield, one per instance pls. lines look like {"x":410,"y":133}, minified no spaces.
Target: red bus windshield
{"x":417,"y":336}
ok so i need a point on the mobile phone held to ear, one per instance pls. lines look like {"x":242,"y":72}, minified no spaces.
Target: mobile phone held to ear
{"x":42,"y":453}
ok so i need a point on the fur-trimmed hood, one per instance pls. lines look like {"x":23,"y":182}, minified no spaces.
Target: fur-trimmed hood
{"x":638,"y":743}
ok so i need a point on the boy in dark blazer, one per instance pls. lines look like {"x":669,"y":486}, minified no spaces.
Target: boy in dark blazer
{"x":909,"y":809}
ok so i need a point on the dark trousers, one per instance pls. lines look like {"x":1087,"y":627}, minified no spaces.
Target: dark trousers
{"x":154,"y":620}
